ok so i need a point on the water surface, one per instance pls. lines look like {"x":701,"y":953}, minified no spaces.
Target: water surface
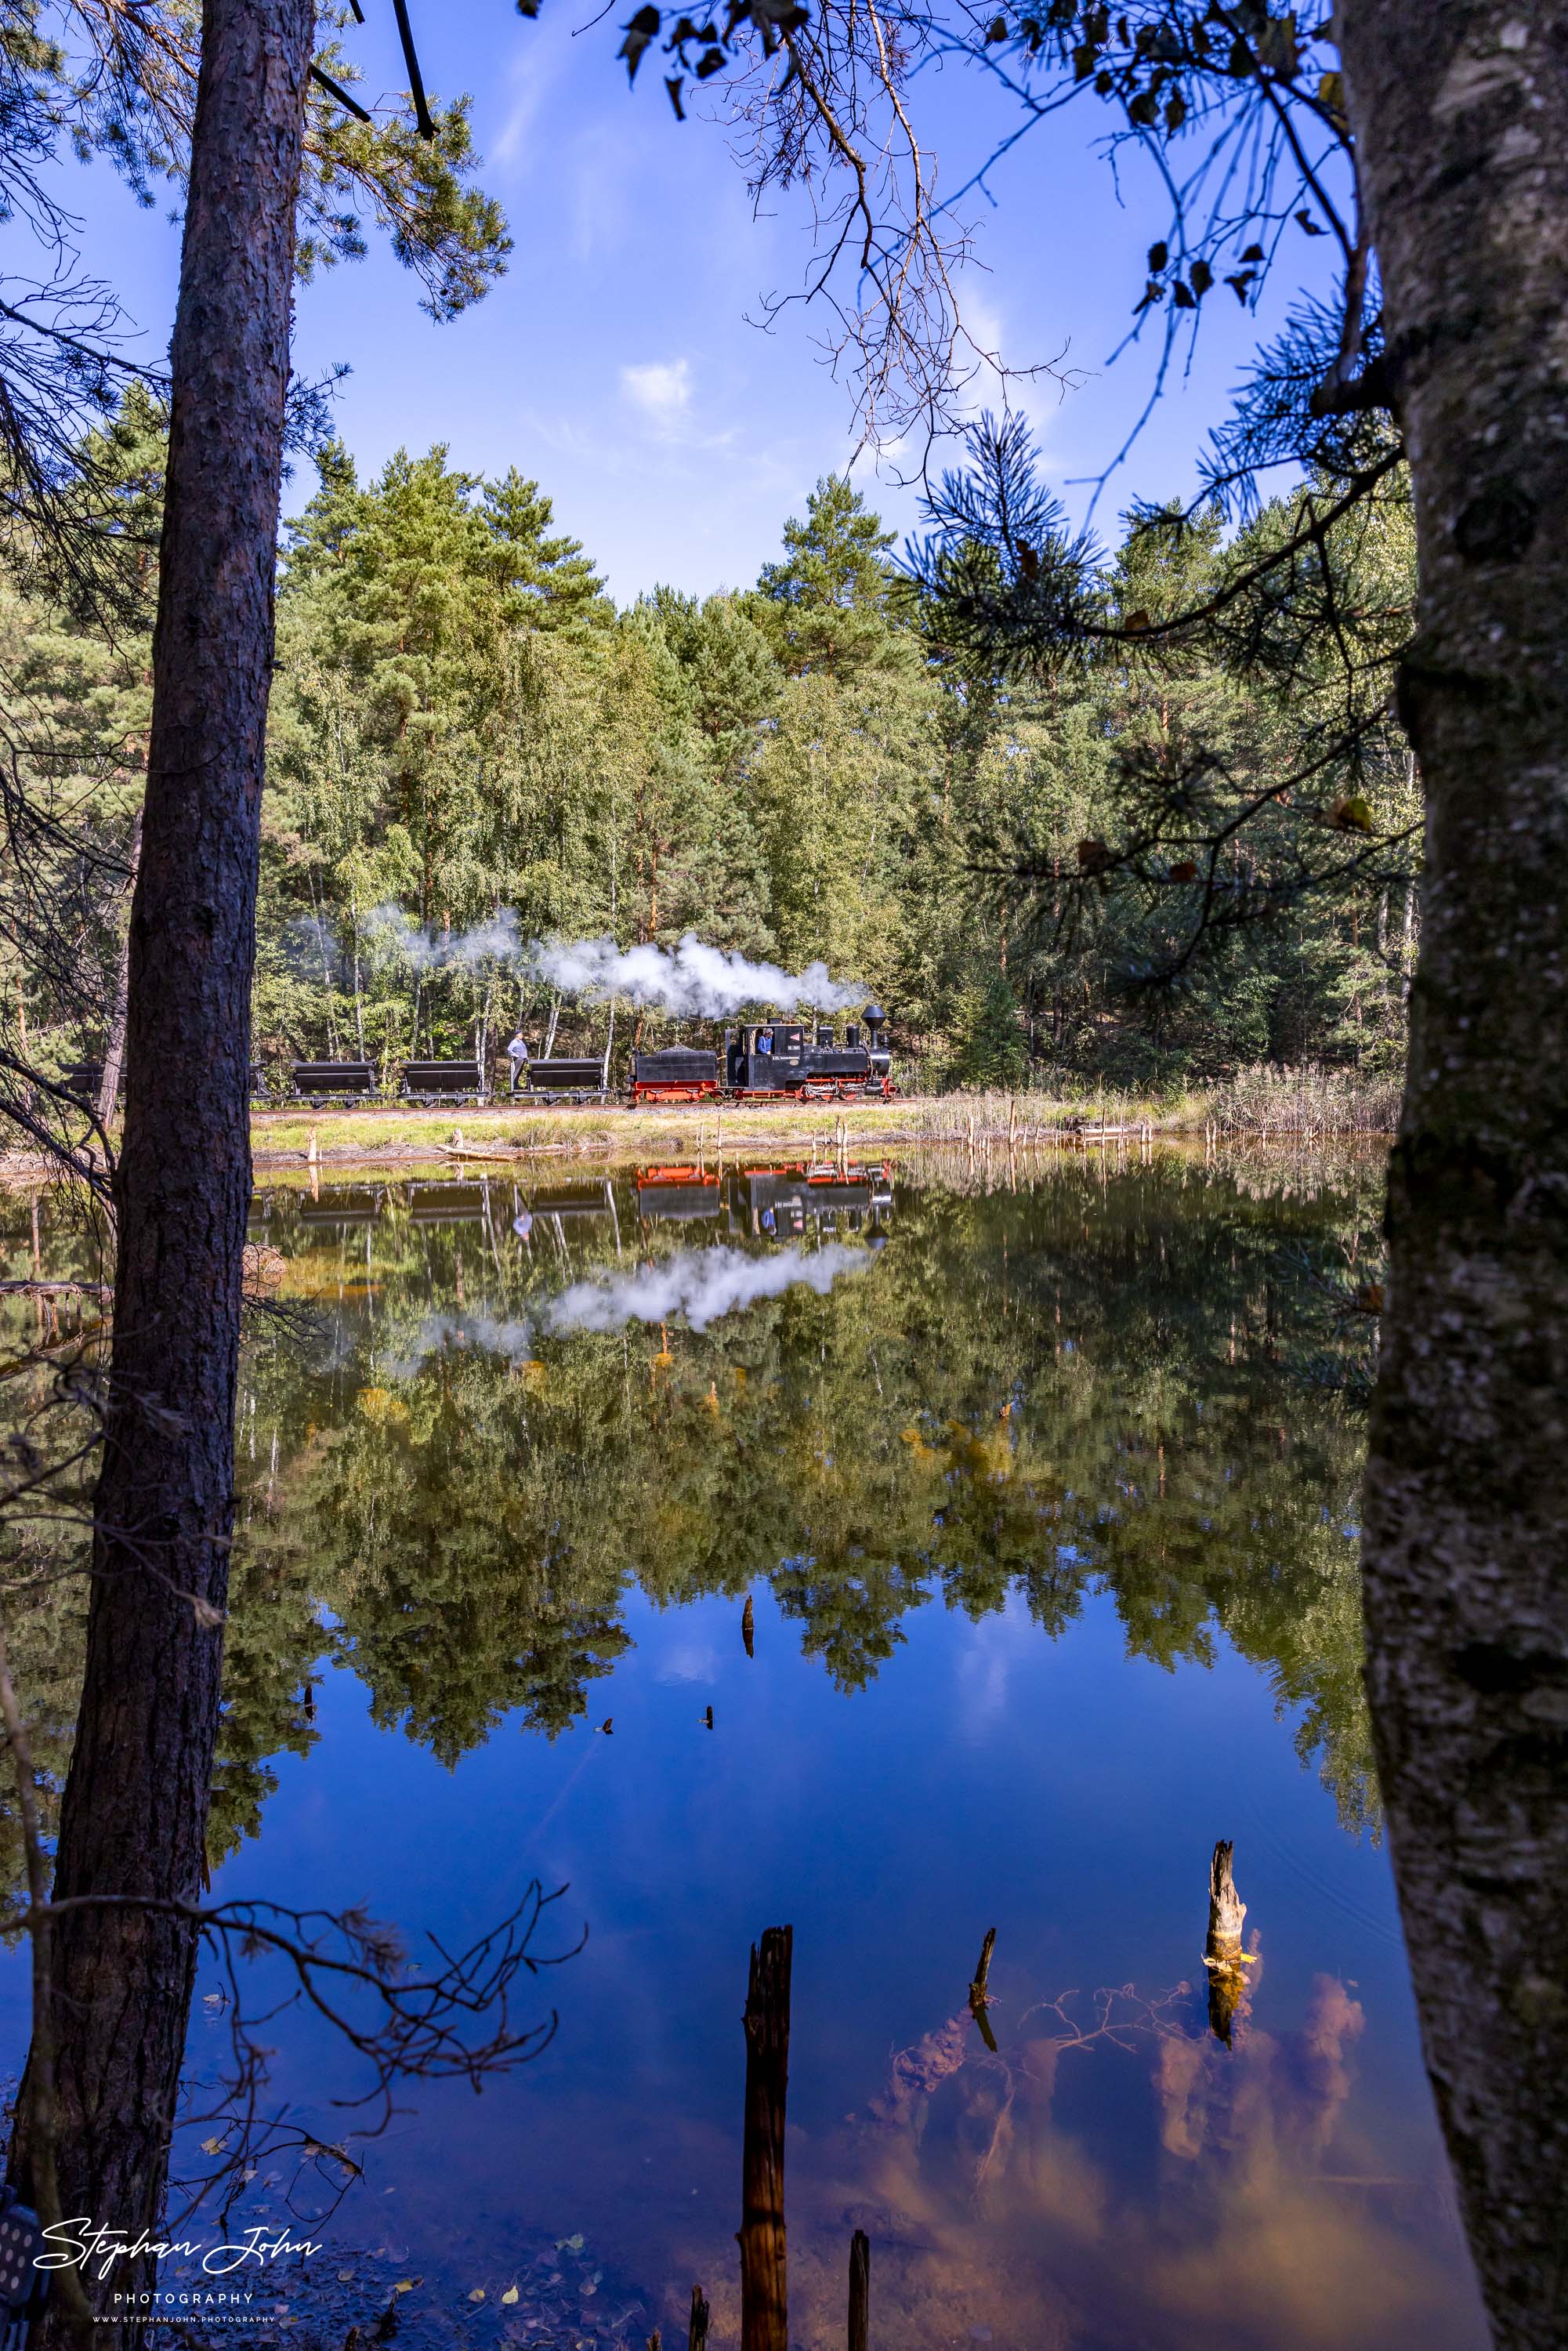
{"x":1041,"y":1484}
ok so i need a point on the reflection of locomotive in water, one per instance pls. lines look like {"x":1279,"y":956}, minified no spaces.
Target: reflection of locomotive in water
{"x":780,"y":1201}
{"x":773,"y":1203}
{"x":769,"y":1058}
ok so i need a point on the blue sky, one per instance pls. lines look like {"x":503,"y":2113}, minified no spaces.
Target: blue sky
{"x":615,"y":362}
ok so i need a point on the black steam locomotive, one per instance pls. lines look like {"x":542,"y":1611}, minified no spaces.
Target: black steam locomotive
{"x":771,"y":1058}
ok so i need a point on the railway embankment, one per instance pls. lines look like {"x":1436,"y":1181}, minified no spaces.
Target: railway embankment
{"x":1265,"y":1106}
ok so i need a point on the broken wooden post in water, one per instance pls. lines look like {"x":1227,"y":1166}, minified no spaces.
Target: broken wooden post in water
{"x":696,"y":2333}
{"x":763,"y":2310}
{"x":860,"y":2292}
{"x":748,"y":1626}
{"x":1223,"y":1955}
{"x":979,"y":1998}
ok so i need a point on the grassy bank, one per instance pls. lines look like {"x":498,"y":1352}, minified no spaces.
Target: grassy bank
{"x":1310,"y":1103}
{"x":599,"y":1133}
{"x":1304,"y":1104}
{"x":1300,"y":1107}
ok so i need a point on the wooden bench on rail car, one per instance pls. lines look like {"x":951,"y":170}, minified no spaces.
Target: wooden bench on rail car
{"x":328,"y":1081}
{"x":443,"y":1082}
{"x":566,"y":1080}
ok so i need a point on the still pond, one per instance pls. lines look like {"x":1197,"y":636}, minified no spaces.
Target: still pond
{"x":895,"y":1555}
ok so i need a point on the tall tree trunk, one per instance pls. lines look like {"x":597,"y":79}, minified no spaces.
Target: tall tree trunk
{"x":134,"y":1815}
{"x":1460,"y":114}
{"x":114,"y":1049}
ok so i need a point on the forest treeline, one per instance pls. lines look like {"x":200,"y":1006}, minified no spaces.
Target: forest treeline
{"x":471,"y":746}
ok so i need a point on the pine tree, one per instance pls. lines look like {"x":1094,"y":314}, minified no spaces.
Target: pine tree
{"x":831,"y":594}
{"x":549,"y":581}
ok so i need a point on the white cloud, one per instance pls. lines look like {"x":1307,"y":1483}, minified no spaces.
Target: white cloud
{"x":662,"y":390}
{"x":531,"y":80}
{"x":1039,"y":396}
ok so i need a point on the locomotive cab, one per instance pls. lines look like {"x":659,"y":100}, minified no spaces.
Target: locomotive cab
{"x":769,"y":1058}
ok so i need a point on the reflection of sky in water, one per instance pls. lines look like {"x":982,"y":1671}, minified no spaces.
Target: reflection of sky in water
{"x":1129,"y":2186}
{"x":1112,"y":2179}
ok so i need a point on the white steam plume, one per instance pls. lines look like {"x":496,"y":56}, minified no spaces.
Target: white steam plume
{"x":707,"y":982}
{"x":696,"y":978}
{"x":487,"y":1332}
{"x":389,"y":931}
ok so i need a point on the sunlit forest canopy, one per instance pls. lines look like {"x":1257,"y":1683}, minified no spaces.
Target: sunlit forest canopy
{"x":465,"y":729}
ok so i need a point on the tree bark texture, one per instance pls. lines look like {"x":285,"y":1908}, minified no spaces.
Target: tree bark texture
{"x":114,"y":1046}
{"x":135,"y":1808}
{"x":1459,"y":109}
{"x":764,"y":2301}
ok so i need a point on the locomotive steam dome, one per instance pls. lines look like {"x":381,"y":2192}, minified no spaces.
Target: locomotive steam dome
{"x":875,"y":1016}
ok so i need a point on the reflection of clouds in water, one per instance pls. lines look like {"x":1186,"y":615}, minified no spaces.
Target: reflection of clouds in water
{"x":701,"y":1284}
{"x":689,"y":1661}
{"x":983,"y":1666}
{"x":1246,"y":2201}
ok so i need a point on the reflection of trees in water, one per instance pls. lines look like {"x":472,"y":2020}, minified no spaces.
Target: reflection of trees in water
{"x":1092,"y":1386}
{"x":1037,"y":1396}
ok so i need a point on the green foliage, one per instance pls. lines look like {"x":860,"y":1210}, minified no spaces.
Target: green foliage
{"x":990,"y":1038}
{"x":1146,"y":1390}
{"x":833,"y":588}
{"x":1047,"y":1394}
{"x":463,"y":726}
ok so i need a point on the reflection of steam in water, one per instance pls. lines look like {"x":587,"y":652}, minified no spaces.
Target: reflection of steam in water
{"x":1256,"y":2221}
{"x":701,"y":1284}
{"x":490,"y":1334}
{"x":1255,"y":2215}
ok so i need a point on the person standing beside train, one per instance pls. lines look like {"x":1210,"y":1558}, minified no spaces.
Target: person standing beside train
{"x":517,"y":1054}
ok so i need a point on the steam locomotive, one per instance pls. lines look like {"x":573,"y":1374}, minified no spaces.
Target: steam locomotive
{"x":769,"y":1059}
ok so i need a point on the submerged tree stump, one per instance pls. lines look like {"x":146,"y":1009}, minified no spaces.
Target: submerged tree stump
{"x":1223,"y":1956}
{"x":764,"y":2307}
{"x":748,"y":1627}
{"x":1226,"y":1908}
{"x":696,"y":2333}
{"x":860,"y":2292}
